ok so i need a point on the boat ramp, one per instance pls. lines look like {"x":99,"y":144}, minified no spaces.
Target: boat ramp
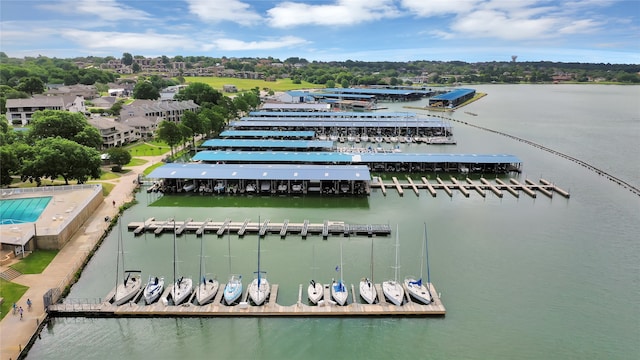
{"x":262,"y":227}
{"x":217,"y":308}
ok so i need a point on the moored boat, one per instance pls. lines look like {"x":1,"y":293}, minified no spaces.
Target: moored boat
{"x":131,"y":283}
{"x":392,"y":289}
{"x":153,"y":289}
{"x":259,"y":288}
{"x":339,"y":291}
{"x":415,"y":287}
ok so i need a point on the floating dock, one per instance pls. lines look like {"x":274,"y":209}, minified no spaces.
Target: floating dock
{"x":270,"y":308}
{"x":240,"y":228}
{"x":513,"y":187}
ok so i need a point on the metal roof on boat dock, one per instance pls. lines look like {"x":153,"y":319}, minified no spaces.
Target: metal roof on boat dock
{"x":266,"y":134}
{"x":261,"y":171}
{"x":346,"y":157}
{"x":337,"y":114}
{"x":313,"y":123}
{"x":264,"y":144}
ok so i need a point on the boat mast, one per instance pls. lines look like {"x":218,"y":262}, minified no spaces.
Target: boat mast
{"x":258,"y":261}
{"x":341,"y":279}
{"x":426,"y":246}
{"x":175,"y":250}
{"x":202,"y":281}
{"x":118,"y":257}
{"x":371,"y":280}
{"x":395,"y":277}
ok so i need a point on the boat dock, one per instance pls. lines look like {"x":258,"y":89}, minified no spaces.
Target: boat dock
{"x":217,"y":308}
{"x":303,"y":229}
{"x":513,"y":187}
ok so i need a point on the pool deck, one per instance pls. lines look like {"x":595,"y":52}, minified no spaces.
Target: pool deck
{"x":62,"y":207}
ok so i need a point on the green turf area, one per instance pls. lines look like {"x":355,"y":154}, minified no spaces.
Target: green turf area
{"x":136,"y":162}
{"x":11,"y":293}
{"x":36,"y":262}
{"x":148,"y":149}
{"x":148,"y":170}
{"x":248,"y":84}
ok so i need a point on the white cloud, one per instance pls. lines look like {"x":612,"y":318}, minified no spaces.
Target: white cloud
{"x":501,"y":25}
{"x":504,"y":20}
{"x":227,"y":10}
{"x":579,"y":27}
{"x":109,"y":10}
{"x":342,"y":12}
{"x":426,"y":8}
{"x":122,"y":41}
{"x":240,"y":45}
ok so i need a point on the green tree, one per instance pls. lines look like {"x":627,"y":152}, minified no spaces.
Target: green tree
{"x":61,"y":157}
{"x":10,"y":164}
{"x":193,"y":123}
{"x":145,"y":90}
{"x":127,"y":59}
{"x":136,"y":67}
{"x":170,"y":133}
{"x":31,"y":85}
{"x":67,"y":125}
{"x":119,"y":156}
{"x":202,"y":94}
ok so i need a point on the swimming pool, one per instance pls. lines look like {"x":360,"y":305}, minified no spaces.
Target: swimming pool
{"x":24,"y":210}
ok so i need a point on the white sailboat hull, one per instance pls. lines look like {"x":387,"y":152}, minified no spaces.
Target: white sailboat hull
{"x":181,"y":291}
{"x":206,"y":291}
{"x":127,"y":290}
{"x":339,"y":293}
{"x":393,"y":292}
{"x":368,"y":291}
{"x":418,"y":292}
{"x":153,"y":290}
{"x":233,"y":290}
{"x":259,"y":293}
{"x":315,"y":292}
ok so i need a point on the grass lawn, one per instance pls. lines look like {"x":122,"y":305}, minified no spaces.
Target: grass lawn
{"x":108,"y":175}
{"x":36,"y":262}
{"x":248,"y":84}
{"x":11,"y":293}
{"x":148,"y":170}
{"x":148,"y":149}
{"x":136,"y":162}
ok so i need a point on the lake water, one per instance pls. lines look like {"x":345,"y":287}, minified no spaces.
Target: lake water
{"x":520,"y":277}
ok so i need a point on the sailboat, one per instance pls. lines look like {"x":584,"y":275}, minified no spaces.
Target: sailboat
{"x":208,"y":288}
{"x":233,"y":289}
{"x":153,"y":289}
{"x":415,"y":287}
{"x":314,"y":290}
{"x":182,"y":287}
{"x":339,"y":292}
{"x":367,"y":289}
{"x":131,"y":284}
{"x":392,"y":289}
{"x":259,"y":288}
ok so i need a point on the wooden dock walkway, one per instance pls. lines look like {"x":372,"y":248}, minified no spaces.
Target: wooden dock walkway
{"x":325,"y":229}
{"x":514,"y":187}
{"x":271,"y":308}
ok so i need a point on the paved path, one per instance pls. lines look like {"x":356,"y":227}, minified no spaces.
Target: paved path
{"x":14,"y":332}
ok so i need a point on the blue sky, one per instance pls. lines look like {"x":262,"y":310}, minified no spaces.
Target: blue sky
{"x":596,"y":31}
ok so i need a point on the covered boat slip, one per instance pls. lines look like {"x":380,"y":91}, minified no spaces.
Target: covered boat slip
{"x":271,"y":144}
{"x":384,"y":162}
{"x":268,"y":134}
{"x":346,"y":115}
{"x":371,"y":128}
{"x":262,"y":178}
